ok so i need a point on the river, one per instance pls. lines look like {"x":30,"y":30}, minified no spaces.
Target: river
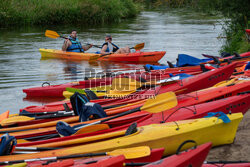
{"x":21,"y":66}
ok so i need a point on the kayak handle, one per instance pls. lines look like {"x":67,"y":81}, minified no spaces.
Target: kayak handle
{"x":185,"y":142}
{"x":45,"y":84}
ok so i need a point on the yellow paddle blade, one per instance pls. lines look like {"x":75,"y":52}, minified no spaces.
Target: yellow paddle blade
{"x":131,"y":153}
{"x":14,"y":120}
{"x":4,"y":115}
{"x":92,"y":128}
{"x":17,"y":165}
{"x":13,"y":115}
{"x":139,"y":46}
{"x":51,"y":34}
{"x":125,"y":84}
{"x":160,"y":103}
{"x":19,"y":141}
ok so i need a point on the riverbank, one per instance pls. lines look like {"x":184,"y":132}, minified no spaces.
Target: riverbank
{"x":58,"y":12}
{"x":237,"y":151}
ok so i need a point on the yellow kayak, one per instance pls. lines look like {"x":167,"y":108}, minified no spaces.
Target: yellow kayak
{"x":167,"y":135}
{"x":59,"y":54}
{"x":99,"y":91}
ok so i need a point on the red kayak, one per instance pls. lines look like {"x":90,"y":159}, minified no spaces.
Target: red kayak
{"x":232,"y":104}
{"x":134,"y":57}
{"x":187,"y":85}
{"x":57,"y":90}
{"x":155,"y":155}
{"x":183,"y":101}
{"x":192,"y":98}
{"x":192,"y":157}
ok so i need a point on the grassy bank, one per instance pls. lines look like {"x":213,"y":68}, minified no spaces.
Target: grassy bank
{"x":44,"y":12}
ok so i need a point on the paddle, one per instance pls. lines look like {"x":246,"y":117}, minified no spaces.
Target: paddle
{"x":55,"y":35}
{"x":129,"y":84}
{"x":18,"y":119}
{"x":129,"y":153}
{"x":160,"y":103}
{"x":36,"y":148}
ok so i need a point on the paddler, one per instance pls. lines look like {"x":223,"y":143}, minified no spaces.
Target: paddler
{"x":72,"y":44}
{"x":109,"y":47}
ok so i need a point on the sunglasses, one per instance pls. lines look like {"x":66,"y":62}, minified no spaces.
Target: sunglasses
{"x":108,"y":38}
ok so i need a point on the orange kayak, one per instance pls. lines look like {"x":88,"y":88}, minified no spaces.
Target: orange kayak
{"x":134,"y":57}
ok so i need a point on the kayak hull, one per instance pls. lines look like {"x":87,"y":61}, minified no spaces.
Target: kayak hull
{"x":134,"y":57}
{"x":59,"y":54}
{"x":167,"y":135}
{"x":192,"y":157}
{"x":57,"y":90}
{"x":191,"y":112}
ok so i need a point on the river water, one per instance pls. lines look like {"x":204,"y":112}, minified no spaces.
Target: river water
{"x":21,"y":66}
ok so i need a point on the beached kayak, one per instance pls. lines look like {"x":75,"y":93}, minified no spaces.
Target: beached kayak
{"x":155,"y":155}
{"x":191,"y":112}
{"x":134,"y":57}
{"x":192,"y":157}
{"x":187,"y":85}
{"x":183,"y":113}
{"x":167,"y":135}
{"x":59,"y":54}
{"x":47,"y":90}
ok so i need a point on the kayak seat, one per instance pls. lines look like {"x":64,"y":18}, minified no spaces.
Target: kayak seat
{"x":146,"y":68}
{"x":91,"y":95}
{"x":7,"y":144}
{"x":77,"y":101}
{"x":84,"y":109}
{"x":170,"y":64}
{"x":236,"y":55}
{"x":131,"y":129}
{"x":203,"y":68}
{"x":64,"y":129}
{"x":225,"y":54}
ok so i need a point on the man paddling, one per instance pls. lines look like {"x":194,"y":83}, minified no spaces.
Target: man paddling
{"x":72,"y":44}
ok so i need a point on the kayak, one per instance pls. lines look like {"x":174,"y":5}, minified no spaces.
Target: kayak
{"x":196,"y":111}
{"x":190,"y":99}
{"x":182,"y":61}
{"x":47,"y":90}
{"x":124,"y":57}
{"x":167,"y":135}
{"x":59,"y":54}
{"x":192,"y":157}
{"x":190,"y":84}
{"x":57,"y":90}
{"x":134,"y":57}
{"x":155,"y":155}
{"x":200,"y":81}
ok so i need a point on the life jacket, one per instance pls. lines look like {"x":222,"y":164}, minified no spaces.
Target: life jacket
{"x":115,"y":48}
{"x":76,"y":45}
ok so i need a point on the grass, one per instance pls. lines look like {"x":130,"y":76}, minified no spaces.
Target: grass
{"x":44,"y":12}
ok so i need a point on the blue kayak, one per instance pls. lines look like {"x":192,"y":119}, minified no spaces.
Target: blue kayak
{"x":183,"y":60}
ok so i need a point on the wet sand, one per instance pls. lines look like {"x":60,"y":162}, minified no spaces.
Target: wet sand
{"x":237,"y":151}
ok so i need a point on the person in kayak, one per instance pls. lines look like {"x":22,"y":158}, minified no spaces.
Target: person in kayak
{"x":109,"y":47}
{"x":72,"y":44}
